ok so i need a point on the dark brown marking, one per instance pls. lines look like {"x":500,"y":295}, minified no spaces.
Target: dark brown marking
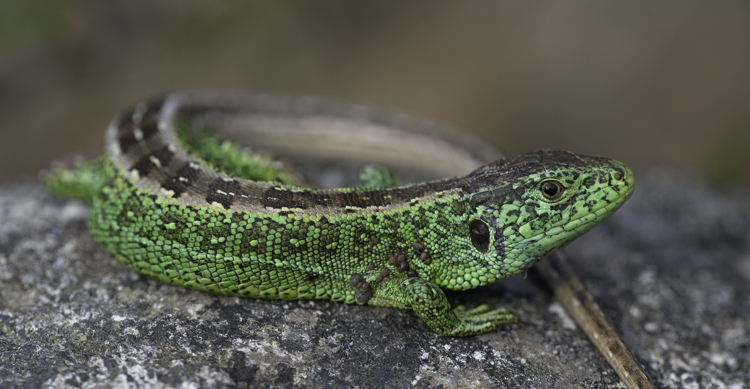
{"x":349,"y":202}
{"x":178,"y":186}
{"x":145,"y":163}
{"x":164,"y":155}
{"x":149,"y":128}
{"x":148,"y":124}
{"x":127,"y":138}
{"x":278,"y":198}
{"x":219,"y":191}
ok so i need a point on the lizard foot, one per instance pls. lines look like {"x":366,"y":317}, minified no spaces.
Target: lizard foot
{"x":479,"y":320}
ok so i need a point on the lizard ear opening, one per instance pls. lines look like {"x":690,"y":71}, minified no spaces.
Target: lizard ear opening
{"x":480,"y":235}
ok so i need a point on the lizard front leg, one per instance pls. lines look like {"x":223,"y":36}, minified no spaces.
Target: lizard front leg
{"x":428,"y":301}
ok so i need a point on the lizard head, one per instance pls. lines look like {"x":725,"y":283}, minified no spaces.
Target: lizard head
{"x":527,"y":207}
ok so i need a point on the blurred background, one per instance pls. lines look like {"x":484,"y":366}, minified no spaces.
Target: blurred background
{"x":650,"y":83}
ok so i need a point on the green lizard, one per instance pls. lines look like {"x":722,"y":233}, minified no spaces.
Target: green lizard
{"x":173,"y":204}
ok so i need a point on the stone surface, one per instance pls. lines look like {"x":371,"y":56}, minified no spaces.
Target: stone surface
{"x":671,"y":269}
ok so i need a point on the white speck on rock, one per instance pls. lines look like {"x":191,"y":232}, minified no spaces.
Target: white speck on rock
{"x":558,"y":310}
{"x":651,"y":327}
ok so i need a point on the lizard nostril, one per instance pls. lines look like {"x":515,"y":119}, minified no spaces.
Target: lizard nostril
{"x":617,"y":176}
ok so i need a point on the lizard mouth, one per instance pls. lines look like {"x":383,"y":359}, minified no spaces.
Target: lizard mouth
{"x":596,"y":214}
{"x":599,"y":212}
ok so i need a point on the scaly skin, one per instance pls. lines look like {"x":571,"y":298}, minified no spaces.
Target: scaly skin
{"x":172,"y":218}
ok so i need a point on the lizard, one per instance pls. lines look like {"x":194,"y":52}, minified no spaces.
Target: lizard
{"x":172,"y":202}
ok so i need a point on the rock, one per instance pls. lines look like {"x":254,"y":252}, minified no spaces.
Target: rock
{"x":671,"y":269}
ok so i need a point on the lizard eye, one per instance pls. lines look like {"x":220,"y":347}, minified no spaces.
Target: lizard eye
{"x":480,"y":235}
{"x":551,"y":190}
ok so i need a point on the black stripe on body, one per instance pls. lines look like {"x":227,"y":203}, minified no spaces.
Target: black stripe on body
{"x":157,"y":159}
{"x":147,"y":124}
{"x":127,"y":136}
{"x":223,"y":192}
{"x":181,"y":180}
{"x":278,"y":197}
